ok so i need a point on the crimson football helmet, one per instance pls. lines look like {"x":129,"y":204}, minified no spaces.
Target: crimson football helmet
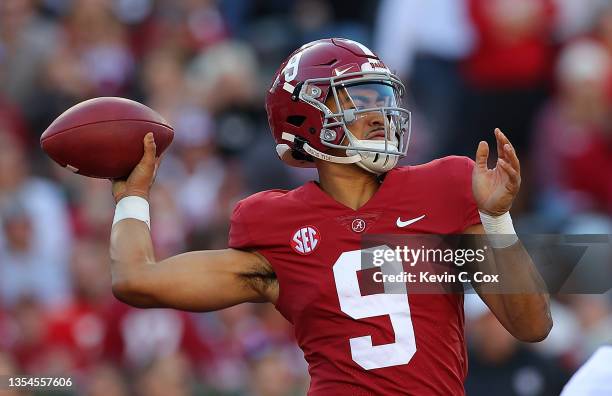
{"x":305,"y":128}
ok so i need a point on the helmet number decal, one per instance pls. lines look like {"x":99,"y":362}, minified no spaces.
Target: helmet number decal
{"x":291,"y":70}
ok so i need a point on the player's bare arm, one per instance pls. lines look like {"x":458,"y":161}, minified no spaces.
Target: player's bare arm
{"x":526,"y":316}
{"x":194,"y":281}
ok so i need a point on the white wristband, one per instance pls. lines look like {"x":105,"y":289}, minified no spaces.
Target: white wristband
{"x":132,"y":207}
{"x":501,"y":227}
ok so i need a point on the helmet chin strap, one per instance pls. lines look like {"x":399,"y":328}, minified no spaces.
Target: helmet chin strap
{"x":376,"y":163}
{"x":350,"y":159}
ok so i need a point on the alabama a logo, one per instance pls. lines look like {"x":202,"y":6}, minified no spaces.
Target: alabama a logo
{"x":305,"y":240}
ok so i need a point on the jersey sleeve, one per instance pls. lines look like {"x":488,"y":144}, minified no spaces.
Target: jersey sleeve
{"x":239,"y":236}
{"x":251,"y":224}
{"x":463,"y":176}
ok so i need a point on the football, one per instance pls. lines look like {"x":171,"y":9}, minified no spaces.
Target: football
{"x":103,"y":137}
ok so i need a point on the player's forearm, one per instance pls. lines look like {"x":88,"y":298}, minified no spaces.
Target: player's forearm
{"x":131,"y":250}
{"x":518,"y":296}
{"x":520,"y":303}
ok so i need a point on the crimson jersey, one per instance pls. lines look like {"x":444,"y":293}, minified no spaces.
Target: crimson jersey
{"x":356,"y":344}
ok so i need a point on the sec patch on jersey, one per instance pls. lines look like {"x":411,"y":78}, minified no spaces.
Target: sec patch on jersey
{"x":305,"y":240}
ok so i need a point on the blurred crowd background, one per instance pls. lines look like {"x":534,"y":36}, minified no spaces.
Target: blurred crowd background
{"x":539,"y":69}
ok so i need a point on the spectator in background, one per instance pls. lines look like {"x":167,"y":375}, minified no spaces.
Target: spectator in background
{"x":106,"y":380}
{"x":240,"y":15}
{"x":603,"y":24}
{"x":169,"y":375}
{"x":80,"y":326}
{"x":225,"y":76}
{"x":507,"y":73}
{"x":26,"y":41}
{"x":192,"y":156}
{"x":100,"y":43}
{"x":88,"y":206}
{"x":27,"y":334}
{"x":137,"y":337}
{"x":572,"y":149}
{"x":575,"y":17}
{"x":6,"y":329}
{"x":430,"y":39}
{"x":62,"y":84}
{"x":228,"y":79}
{"x":35,"y":235}
{"x":270,"y":375}
{"x":499,"y":362}
{"x":233,"y":333}
{"x":171,"y":234}
{"x":164,"y":86}
{"x":316,"y":19}
{"x":196,"y":175}
{"x":91,"y":58}
{"x":13,"y":122}
{"x":594,"y":313}
{"x":249,"y":332}
{"x":205,"y":23}
{"x":20,"y":265}
{"x":197,"y":23}
{"x":9,"y":368}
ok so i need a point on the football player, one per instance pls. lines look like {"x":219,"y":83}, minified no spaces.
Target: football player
{"x":335,"y":106}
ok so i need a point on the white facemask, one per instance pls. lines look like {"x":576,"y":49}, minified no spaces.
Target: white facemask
{"x":375,"y":162}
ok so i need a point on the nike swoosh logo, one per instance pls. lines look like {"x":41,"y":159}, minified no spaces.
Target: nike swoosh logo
{"x":402,"y":224}
{"x":341,"y":72}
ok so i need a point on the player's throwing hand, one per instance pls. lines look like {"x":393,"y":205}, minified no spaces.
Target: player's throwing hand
{"x":495,"y":189}
{"x":140,"y":180}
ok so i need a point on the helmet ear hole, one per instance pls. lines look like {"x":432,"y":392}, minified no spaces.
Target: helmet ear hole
{"x":296,"y":120}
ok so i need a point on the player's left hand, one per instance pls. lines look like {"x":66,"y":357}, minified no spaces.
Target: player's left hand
{"x":495,"y":189}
